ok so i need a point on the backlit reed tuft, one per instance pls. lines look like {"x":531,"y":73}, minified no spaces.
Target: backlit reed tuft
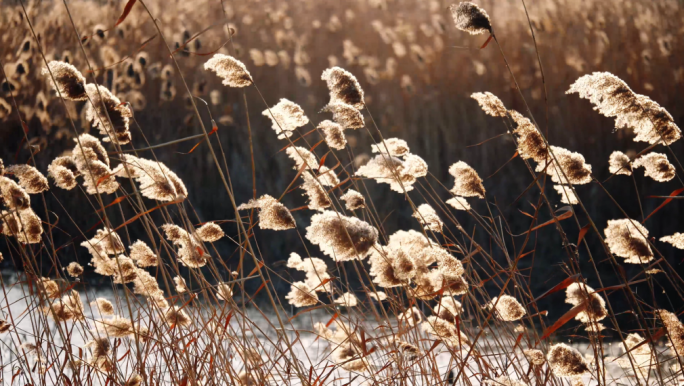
{"x":627,"y":238}
{"x":272,"y":214}
{"x":656,"y":166}
{"x":232,"y":71}
{"x":566,"y":361}
{"x":470,"y":18}
{"x":286,"y":117}
{"x":68,"y":81}
{"x":340,"y":237}
{"x":343,"y":87}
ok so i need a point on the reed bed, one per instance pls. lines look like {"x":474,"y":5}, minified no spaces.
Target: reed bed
{"x":290,"y":267}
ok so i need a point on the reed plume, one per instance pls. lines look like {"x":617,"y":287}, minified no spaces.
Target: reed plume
{"x":470,"y":18}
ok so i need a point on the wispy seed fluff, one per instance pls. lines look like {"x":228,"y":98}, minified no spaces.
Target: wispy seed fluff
{"x":301,"y":295}
{"x":74,"y":269}
{"x":470,"y":18}
{"x":175,"y":316}
{"x":190,"y":251}
{"x":346,"y":115}
{"x":106,"y":107}
{"x":566,"y":361}
{"x":507,"y":308}
{"x":567,"y":194}
{"x":536,"y":357}
{"x":92,"y":162}
{"x":334,"y":134}
{"x":428,"y":218}
{"x":675,"y":330}
{"x":594,"y":305}
{"x":570,"y":164}
{"x":531,"y":145}
{"x":468,"y":183}
{"x":143,"y":255}
{"x":316,"y":271}
{"x":25,"y":225}
{"x":445,"y":331}
{"x":103,"y":305}
{"x":301,"y":157}
{"x":286,"y":117}
{"x":233,"y":71}
{"x":353,"y":200}
{"x":156,"y":180}
{"x":210,"y":232}
{"x":399,"y":173}
{"x":627,"y":238}
{"x":490,"y":103}
{"x":410,"y":317}
{"x":448,"y":308}
{"x":619,"y":163}
{"x":13,"y":195}
{"x":458,"y":203}
{"x":656,"y":166}
{"x":343,"y":87}
{"x":29,"y":178}
{"x":69,"y":82}
{"x":340,"y":237}
{"x":181,"y":286}
{"x":63,"y":171}
{"x":67,"y":308}
{"x":613,"y":98}
{"x":347,"y":299}
{"x":677,"y":240}
{"x":224,"y":292}
{"x":272,"y":214}
{"x":395,"y":147}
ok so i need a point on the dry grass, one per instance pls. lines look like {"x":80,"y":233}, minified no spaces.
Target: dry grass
{"x":189,"y":297}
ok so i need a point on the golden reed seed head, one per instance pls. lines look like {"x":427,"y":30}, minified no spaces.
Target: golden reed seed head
{"x":74,"y":269}
{"x":343,"y":87}
{"x":468,"y":183}
{"x":570,"y":164}
{"x":445,"y":331}
{"x":428,"y":218}
{"x":224,"y":292}
{"x":28,"y":225}
{"x":63,"y":171}
{"x":402,"y":264}
{"x":470,"y":18}
{"x":677,"y":240}
{"x":314,"y":191}
{"x":174,"y":315}
{"x":490,"y":103}
{"x":210,"y":232}
{"x":190,"y":250}
{"x":181,"y":285}
{"x":116,"y":327}
{"x":13,"y":195}
{"x":156,"y":180}
{"x":68,"y":81}
{"x":395,"y":147}
{"x":613,"y":98}
{"x":382,"y":268}
{"x":125,"y":270}
{"x":301,"y":295}
{"x":410,"y":317}
{"x":448,"y":308}
{"x":232,"y":71}
{"x":4,"y":326}
{"x":334,"y":134}
{"x":302,"y":156}
{"x":104,"y":107}
{"x":531,"y":145}
{"x":507,"y":308}
{"x":29,"y":178}
{"x":327,"y":177}
{"x":536,"y":357}
{"x":567,"y":195}
{"x":566,"y":361}
{"x":134,"y":380}
{"x":619,"y":163}
{"x":340,"y":237}
{"x":101,"y":347}
{"x":408,"y":351}
{"x":286,"y":117}
{"x":458,"y":203}
{"x":594,"y":305}
{"x":379,"y":296}
{"x":346,"y":115}
{"x":353,"y":200}
{"x":675,"y":329}
{"x":146,"y":285}
{"x":103,"y":305}
{"x":627,"y":238}
{"x":69,"y":307}
{"x":272,"y":214}
{"x":347,"y":299}
{"x":143,"y":255}
{"x":656,"y":166}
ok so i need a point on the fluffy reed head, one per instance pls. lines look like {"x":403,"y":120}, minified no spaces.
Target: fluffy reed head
{"x":490,"y":103}
{"x":470,"y":18}
{"x":594,"y":306}
{"x":353,"y":200}
{"x":334,"y":134}
{"x":343,"y":87}
{"x":286,"y":117}
{"x":301,"y":295}
{"x":210,"y":232}
{"x":63,"y":171}
{"x":156,"y":180}
{"x":677,"y":240}
{"x":566,"y":361}
{"x":445,"y":331}
{"x":571,"y":167}
{"x":143,"y":255}
{"x":468,"y":183}
{"x":613,"y":98}
{"x":272,"y":214}
{"x":619,"y":163}
{"x":108,"y":114}
{"x":29,"y":178}
{"x":345,"y":115}
{"x":531,"y":145}
{"x":656,"y":166}
{"x":428,"y":218}
{"x":627,"y":238}
{"x":68,"y":81}
{"x":74,"y":269}
{"x":507,"y":308}
{"x":232,"y":71}
{"x":675,"y":329}
{"x":340,"y":237}
{"x":103,"y":305}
